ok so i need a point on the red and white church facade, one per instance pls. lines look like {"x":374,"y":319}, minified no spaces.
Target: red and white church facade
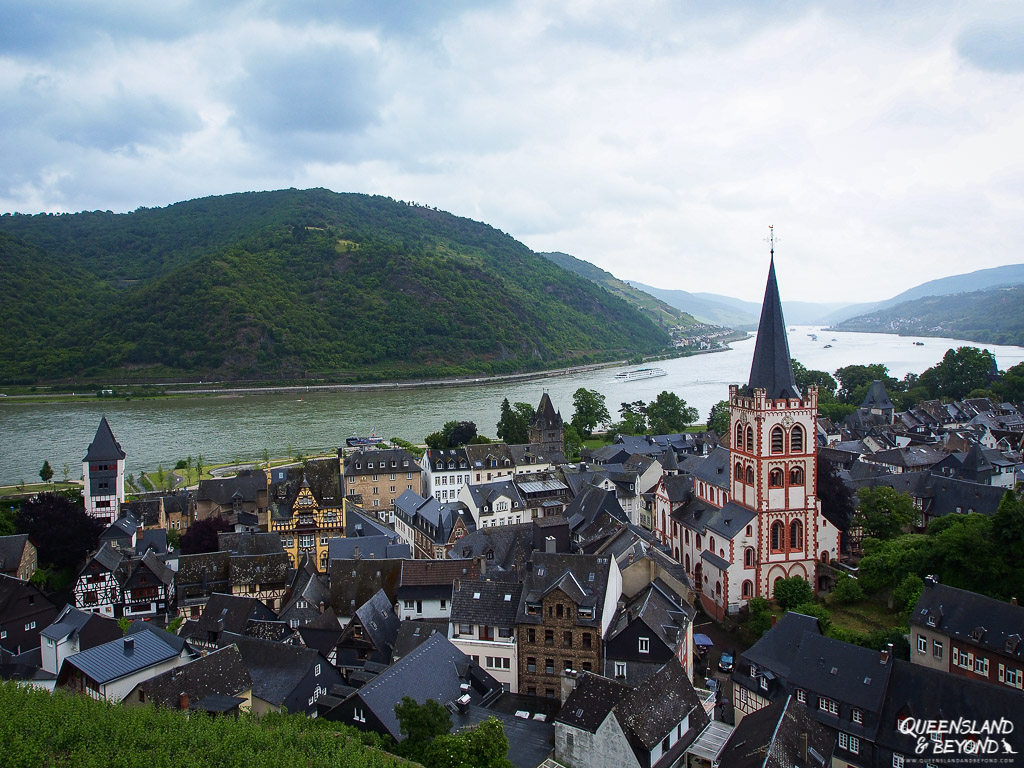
{"x":754,"y":516}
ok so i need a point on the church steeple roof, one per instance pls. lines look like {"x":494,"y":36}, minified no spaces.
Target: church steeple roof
{"x":772,"y":368}
{"x":104,"y":447}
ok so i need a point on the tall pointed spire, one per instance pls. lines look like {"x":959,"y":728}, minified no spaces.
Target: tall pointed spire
{"x":772,"y":368}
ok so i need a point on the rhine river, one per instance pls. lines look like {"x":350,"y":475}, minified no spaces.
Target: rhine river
{"x":241,"y":427}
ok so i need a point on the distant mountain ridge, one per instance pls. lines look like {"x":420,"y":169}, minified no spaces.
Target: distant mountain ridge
{"x":293,"y":285}
{"x":716,"y":308}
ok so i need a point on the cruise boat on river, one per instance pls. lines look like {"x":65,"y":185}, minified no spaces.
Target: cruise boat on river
{"x":640,"y":373}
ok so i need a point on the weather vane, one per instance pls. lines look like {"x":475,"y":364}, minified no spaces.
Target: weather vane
{"x":771,"y":238}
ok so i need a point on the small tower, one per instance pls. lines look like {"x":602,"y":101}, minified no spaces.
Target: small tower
{"x":103,"y":471}
{"x":773,"y":427}
{"x":547,"y":431}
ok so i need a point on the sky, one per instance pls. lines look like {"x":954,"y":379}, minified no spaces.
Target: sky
{"x":657,"y":140}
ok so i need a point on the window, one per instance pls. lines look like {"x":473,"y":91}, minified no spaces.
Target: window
{"x":777,"y":536}
{"x":408,"y":605}
{"x":645,"y":645}
{"x":796,"y":535}
{"x":392,"y":477}
{"x":620,"y":669}
{"x":748,"y":589}
{"x":316,"y":670}
{"x":796,"y":476}
{"x":549,"y":637}
{"x":465,"y":629}
{"x":937,"y":649}
{"x":743,"y":695}
{"x":796,"y":440}
{"x":980,"y":665}
{"x":359,"y":715}
{"x":549,"y":666}
{"x":750,"y":475}
{"x":775,"y":478}
{"x":858,"y":717}
{"x":567,"y":639}
{"x":827,"y":705}
{"x":739,"y":436}
{"x":375,"y":480}
{"x":586,"y":640}
{"x":750,"y":439}
{"x":739,"y":472}
{"x":778,"y":441}
{"x":801,"y":696}
{"x":748,"y":557}
{"x":897,"y":760}
{"x":30,"y":625}
{"x":922,"y":644}
{"x":531,"y":664}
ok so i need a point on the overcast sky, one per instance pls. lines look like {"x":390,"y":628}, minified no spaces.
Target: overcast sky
{"x":658,"y":140}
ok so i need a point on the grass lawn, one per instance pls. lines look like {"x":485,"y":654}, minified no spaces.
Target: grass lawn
{"x":865,"y":616}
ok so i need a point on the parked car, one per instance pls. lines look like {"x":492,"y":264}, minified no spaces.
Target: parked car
{"x":725,"y":663}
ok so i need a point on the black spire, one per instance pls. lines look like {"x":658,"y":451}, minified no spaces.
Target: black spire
{"x":104,"y":447}
{"x":772,"y":368}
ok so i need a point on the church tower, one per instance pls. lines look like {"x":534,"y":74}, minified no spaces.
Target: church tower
{"x":772,"y":458}
{"x":103,"y":471}
{"x":546,"y":429}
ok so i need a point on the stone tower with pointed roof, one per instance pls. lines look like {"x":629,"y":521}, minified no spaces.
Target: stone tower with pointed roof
{"x":772,"y":483}
{"x":547,"y":430}
{"x":103,"y":472}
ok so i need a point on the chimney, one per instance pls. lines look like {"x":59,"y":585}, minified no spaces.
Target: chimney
{"x":463,"y":703}
{"x":129,"y":645}
{"x":549,"y":544}
{"x":774,"y":619}
{"x":1013,"y":601}
{"x":183,"y":700}
{"x":803,"y":746}
{"x":355,"y":552}
{"x":886,"y":654}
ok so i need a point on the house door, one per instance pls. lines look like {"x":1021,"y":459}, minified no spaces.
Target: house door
{"x":486,"y":633}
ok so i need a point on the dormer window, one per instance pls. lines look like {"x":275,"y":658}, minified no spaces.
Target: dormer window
{"x":440,"y":465}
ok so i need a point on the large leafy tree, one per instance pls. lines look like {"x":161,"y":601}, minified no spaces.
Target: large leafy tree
{"x":514,"y":424}
{"x":793,"y":591}
{"x":668,"y":413}
{"x":854,"y":381}
{"x":835,"y":496}
{"x":452,"y":435}
{"x":590,"y":411}
{"x":718,"y":418}
{"x":634,"y":418}
{"x":573,"y":444}
{"x":485,"y":746}
{"x":882,"y":512}
{"x":961,"y":370}
{"x":821,"y":379}
{"x":62,"y":531}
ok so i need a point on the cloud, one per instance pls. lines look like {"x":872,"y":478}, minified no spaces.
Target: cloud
{"x":997,"y":47}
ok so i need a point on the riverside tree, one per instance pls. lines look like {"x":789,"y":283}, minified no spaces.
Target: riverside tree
{"x":590,"y":411}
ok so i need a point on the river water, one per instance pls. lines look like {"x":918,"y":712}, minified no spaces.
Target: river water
{"x":228,"y":428}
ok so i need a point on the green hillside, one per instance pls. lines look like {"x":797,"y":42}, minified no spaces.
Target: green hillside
{"x":293,"y":285}
{"x":994,"y":316}
{"x":662,"y":313}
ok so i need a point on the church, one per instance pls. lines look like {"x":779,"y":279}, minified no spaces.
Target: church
{"x":754,"y":516}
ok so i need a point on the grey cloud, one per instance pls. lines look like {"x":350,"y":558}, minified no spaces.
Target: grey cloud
{"x":994,"y":47}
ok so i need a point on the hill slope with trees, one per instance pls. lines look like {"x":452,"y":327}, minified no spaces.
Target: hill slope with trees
{"x":293,"y":285}
{"x":994,"y":316}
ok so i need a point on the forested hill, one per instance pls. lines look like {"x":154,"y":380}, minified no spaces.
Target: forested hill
{"x":662,"y":313}
{"x":994,"y":316}
{"x":293,"y":284}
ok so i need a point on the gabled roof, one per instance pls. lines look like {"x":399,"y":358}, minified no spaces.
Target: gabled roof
{"x":651,"y":711}
{"x":221,"y":672}
{"x":771,"y":368}
{"x":358,"y":462}
{"x":714,"y":469}
{"x":772,"y":737}
{"x":435,"y":670}
{"x":412,"y":634}
{"x":367,"y":548}
{"x":380,"y":622}
{"x":353,"y":582}
{"x":11,"y":550}
{"x":777,"y":648}
{"x":877,"y":397}
{"x":546,"y":416}
{"x":485,"y":494}
{"x":156,"y":566}
{"x":92,"y":629}
{"x":590,"y":702}
{"x":504,"y":547}
{"x":842,"y":671}
{"x":230,"y":613}
{"x":971,"y":618}
{"x":104,"y":447}
{"x":494,"y":603}
{"x":138,"y":650}
{"x":730,"y":520}
{"x":276,"y":669}
{"x":248,"y":484}
{"x":589,"y":580}
{"x":417,"y":573}
{"x":590,"y":504}
{"x":661,"y":610}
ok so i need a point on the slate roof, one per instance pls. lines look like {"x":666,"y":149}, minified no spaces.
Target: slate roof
{"x":504,"y":547}
{"x":843,"y":671}
{"x":358,"y":524}
{"x":367,"y":548}
{"x":590,"y":702}
{"x":971,"y":618}
{"x":530,"y":741}
{"x":730,"y":520}
{"x":772,"y":737}
{"x":591,"y":505}
{"x":353,"y":582}
{"x":249,"y":543}
{"x":546,"y":416}
{"x":678,"y":488}
{"x":661,"y":610}
{"x":276,"y":668}
{"x":221,"y":491}
{"x":11,"y":549}
{"x":104,"y":446}
{"x":156,"y":566}
{"x":877,"y":397}
{"x":221,"y":672}
{"x":484,"y":494}
{"x":652,"y":709}
{"x":589,"y":580}
{"x":382,"y":461}
{"x":497,"y":604}
{"x":123,"y":528}
{"x":92,"y":629}
{"x":435,"y":670}
{"x":229,"y":613}
{"x":380,"y":622}
{"x":719,"y":562}
{"x":412,"y":634}
{"x":479,"y":455}
{"x":776,"y":648}
{"x":139,"y":649}
{"x":771,"y":368}
{"x":258,"y":569}
{"x":714,"y":469}
{"x":416,"y":573}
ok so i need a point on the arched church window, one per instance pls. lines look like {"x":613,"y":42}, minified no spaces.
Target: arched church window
{"x":739,"y":472}
{"x":796,"y":476}
{"x":796,"y":535}
{"x":748,"y":589}
{"x":750,"y":439}
{"x":739,"y":436}
{"x":778,"y":534}
{"x":775,"y":478}
{"x":748,"y":557}
{"x":777,"y":440}
{"x":796,"y":439}
{"x":750,"y":475}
